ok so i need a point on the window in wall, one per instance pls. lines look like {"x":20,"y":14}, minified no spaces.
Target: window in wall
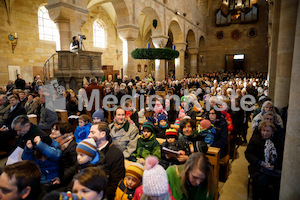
{"x":47,"y":28}
{"x":99,"y":34}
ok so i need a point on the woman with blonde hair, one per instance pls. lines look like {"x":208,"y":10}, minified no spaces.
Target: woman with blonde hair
{"x":193,"y":180}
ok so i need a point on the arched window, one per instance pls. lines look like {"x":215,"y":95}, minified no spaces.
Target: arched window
{"x":47,"y":28}
{"x":99,"y":34}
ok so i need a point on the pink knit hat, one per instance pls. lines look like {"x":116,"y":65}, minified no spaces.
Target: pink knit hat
{"x":158,"y":108}
{"x":155,"y":179}
{"x":181,"y":113}
{"x":205,"y":123}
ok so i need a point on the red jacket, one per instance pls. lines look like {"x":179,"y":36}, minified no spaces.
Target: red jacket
{"x":228,"y":119}
{"x":89,"y":90}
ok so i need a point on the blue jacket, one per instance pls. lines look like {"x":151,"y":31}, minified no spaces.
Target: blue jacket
{"x":48,"y":167}
{"x":209,"y":134}
{"x":82,"y":133}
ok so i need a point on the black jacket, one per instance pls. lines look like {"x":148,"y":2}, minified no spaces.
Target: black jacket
{"x":255,"y":153}
{"x":196,"y":140}
{"x":19,"y":110}
{"x":221,"y":136}
{"x":114,"y":161}
{"x":68,"y":165}
{"x":20,"y":84}
{"x":30,"y":135}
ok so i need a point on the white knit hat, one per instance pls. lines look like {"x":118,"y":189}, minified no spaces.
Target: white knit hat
{"x":155,"y":179}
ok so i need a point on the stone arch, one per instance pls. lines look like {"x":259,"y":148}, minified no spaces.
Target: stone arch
{"x":176,"y":31}
{"x":202,"y":55}
{"x":191,"y":38}
{"x":148,"y":14}
{"x":121,"y":10}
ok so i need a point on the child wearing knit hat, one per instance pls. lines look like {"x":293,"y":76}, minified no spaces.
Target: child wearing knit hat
{"x":155,"y":182}
{"x":133,"y":179}
{"x":88,"y":155}
{"x":162,"y":126}
{"x":207,"y":130}
{"x":181,"y":115}
{"x":98,"y":116}
{"x":147,"y":144}
{"x":172,"y":144}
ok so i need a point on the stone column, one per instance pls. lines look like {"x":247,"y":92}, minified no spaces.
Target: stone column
{"x":274,"y":47}
{"x":160,"y":65}
{"x":290,"y":178}
{"x":193,"y":51}
{"x":69,"y":17}
{"x":128,"y":34}
{"x":286,"y":38}
{"x":179,"y":62}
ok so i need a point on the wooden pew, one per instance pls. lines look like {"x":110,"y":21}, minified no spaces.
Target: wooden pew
{"x":213,"y":155}
{"x":62,"y":115}
{"x":32,"y":118}
{"x":162,"y":94}
{"x":174,"y":126}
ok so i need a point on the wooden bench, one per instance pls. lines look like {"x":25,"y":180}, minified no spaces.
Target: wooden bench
{"x":225,"y":160}
{"x":213,"y":155}
{"x":62,"y":115}
{"x":162,"y":94}
{"x":32,"y":118}
{"x":174,"y":126}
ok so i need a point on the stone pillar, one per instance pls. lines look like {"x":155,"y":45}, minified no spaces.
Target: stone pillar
{"x":193,"y":51}
{"x":290,"y":178}
{"x":179,"y":62}
{"x":69,"y":17}
{"x":160,"y":65}
{"x":273,"y":48}
{"x":286,"y":37}
{"x":128,"y":34}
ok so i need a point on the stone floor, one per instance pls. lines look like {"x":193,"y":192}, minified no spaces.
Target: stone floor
{"x":235,"y":188}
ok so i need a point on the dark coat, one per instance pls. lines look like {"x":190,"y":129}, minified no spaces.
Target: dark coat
{"x":89,"y":90}
{"x":20,"y":84}
{"x":19,"y":110}
{"x":68,"y":164}
{"x":221,"y":136}
{"x":30,"y":135}
{"x":196,"y":139}
{"x":114,"y":161}
{"x":255,"y":153}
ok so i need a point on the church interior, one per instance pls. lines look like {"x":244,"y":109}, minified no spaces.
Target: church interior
{"x":210,"y":36}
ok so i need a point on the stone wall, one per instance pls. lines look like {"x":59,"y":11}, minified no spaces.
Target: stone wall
{"x":114,"y":43}
{"x":255,"y":49}
{"x":30,"y":53}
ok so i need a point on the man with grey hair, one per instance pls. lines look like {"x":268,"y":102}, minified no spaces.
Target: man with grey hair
{"x":25,"y":130}
{"x":4,"y":109}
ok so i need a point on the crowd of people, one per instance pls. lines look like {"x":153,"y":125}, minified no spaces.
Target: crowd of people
{"x":87,"y":155}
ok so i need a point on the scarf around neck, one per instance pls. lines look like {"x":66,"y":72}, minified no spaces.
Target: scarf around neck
{"x":270,"y":152}
{"x":65,"y":140}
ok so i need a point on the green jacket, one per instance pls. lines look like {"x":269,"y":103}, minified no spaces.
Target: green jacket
{"x":147,"y":147}
{"x":198,"y":192}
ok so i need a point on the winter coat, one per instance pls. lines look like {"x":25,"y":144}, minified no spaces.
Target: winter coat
{"x":82,"y":133}
{"x":258,"y":118}
{"x":30,"y":107}
{"x":124,"y":193}
{"x":221,"y":136}
{"x":147,"y":147}
{"x":4,"y":111}
{"x":89,"y":89}
{"x":19,"y":110}
{"x":98,"y":160}
{"x":209,"y":134}
{"x":48,"y":167}
{"x":198,"y":192}
{"x":175,"y":146}
{"x":114,"y":161}
{"x":255,"y":153}
{"x":46,"y":117}
{"x":68,"y":165}
{"x":196,"y":140}
{"x":125,"y":138}
{"x":160,"y":132}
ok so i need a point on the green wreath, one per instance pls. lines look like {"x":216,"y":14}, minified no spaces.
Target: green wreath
{"x":155,"y":53}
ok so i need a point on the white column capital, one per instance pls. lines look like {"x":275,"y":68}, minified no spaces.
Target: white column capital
{"x":128,"y":32}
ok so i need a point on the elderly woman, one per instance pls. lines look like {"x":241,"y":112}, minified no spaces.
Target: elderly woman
{"x":267,"y":106}
{"x":194,"y":180}
{"x":264,"y":153}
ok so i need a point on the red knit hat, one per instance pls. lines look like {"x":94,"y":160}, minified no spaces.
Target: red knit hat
{"x":171,"y":133}
{"x":205,"y":123}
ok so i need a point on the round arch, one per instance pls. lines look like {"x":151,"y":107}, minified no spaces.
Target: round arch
{"x":191,"y":38}
{"x":174,"y":27}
